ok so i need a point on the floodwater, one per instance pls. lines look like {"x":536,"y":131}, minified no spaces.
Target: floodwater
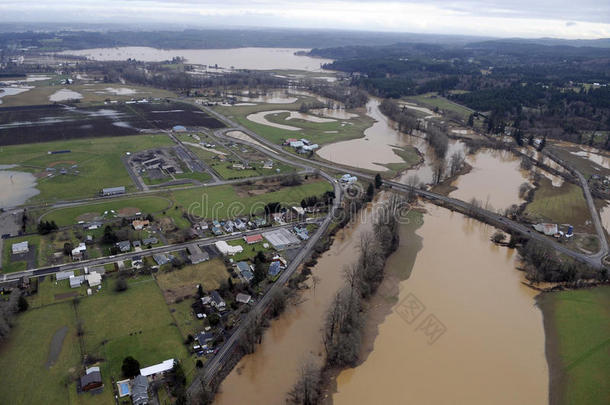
{"x":237,"y":58}
{"x":494,"y":179}
{"x":376,"y":148}
{"x":65,"y":94}
{"x":13,"y":90}
{"x":16,"y":187}
{"x":265,"y":376}
{"x":594,"y":156}
{"x":604,"y":214}
{"x":271,"y":97}
{"x":259,"y":118}
{"x":492,"y":350}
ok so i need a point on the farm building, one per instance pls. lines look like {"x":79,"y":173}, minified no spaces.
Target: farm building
{"x":91,"y":380}
{"x":226,"y":249}
{"x":21,"y":247}
{"x":160,"y":368}
{"x":76,"y":281}
{"x":197,"y":255}
{"x":64,"y":275}
{"x":547,"y":229}
{"x":113,"y":191}
{"x":281,"y":238}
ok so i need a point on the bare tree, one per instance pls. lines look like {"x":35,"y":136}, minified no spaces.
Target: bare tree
{"x":456,"y":162}
{"x":306,"y":391}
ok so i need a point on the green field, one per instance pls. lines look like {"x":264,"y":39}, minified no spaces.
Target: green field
{"x":315,"y":132}
{"x":181,"y":282}
{"x":71,"y":215}
{"x":134,"y":323}
{"x":580,"y":329}
{"x":432,"y":100}
{"x":410,"y":157}
{"x":24,"y":356}
{"x":563,"y":205}
{"x":98,"y":164}
{"x":225,"y":202}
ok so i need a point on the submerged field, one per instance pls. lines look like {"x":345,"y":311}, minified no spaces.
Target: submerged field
{"x":19,"y":125}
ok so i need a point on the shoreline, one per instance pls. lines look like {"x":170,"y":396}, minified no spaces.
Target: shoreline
{"x":557,"y":378}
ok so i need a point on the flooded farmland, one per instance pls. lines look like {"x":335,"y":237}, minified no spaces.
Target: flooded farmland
{"x":15,"y":187}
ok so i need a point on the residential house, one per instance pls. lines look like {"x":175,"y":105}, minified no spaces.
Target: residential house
{"x":139,"y":390}
{"x":298,"y":210}
{"x":137,"y":262}
{"x":161,"y":259}
{"x":21,"y":247}
{"x":243,"y":298}
{"x":217,"y":231}
{"x":150,"y":241}
{"x":274,"y":269}
{"x":245,"y":270}
{"x":260,"y":222}
{"x":217,"y":301}
{"x":204,"y":337}
{"x":229,"y":225}
{"x":124,"y":246}
{"x":240,"y":225}
{"x":78,"y":253}
{"x":138,"y":225}
{"x":252,"y":239}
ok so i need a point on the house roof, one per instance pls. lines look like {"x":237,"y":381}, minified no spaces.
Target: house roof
{"x":253,"y":238}
{"x":243,"y":298}
{"x":91,"y":378}
{"x":139,"y":390}
{"x":204,"y":337}
{"x":216,"y":297}
{"x":274,"y":268}
{"x":158,"y":368}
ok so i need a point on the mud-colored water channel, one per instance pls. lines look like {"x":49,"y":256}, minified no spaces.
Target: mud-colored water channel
{"x":490,"y":345}
{"x":265,"y":376}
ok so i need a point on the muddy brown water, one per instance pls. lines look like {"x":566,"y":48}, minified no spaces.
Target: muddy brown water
{"x":265,"y":376}
{"x":490,"y":349}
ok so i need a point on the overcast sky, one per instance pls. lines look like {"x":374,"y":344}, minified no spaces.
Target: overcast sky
{"x":504,"y":18}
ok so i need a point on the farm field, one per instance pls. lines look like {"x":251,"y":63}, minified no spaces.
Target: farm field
{"x":178,"y":283}
{"x":580,"y":332}
{"x":95,"y":211}
{"x":433,"y":100}
{"x":228,"y":201}
{"x":19,"y":125}
{"x":563,"y":205}
{"x":320,"y":133}
{"x":91,"y":164}
{"x":24,"y":357}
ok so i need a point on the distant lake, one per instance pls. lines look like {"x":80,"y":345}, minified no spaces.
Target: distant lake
{"x":238,"y":58}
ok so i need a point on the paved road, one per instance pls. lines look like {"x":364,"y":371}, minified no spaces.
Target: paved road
{"x":43,"y":271}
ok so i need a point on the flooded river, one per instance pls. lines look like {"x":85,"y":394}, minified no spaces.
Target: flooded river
{"x":237,"y":58}
{"x":265,"y":376}
{"x":489,"y":345}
